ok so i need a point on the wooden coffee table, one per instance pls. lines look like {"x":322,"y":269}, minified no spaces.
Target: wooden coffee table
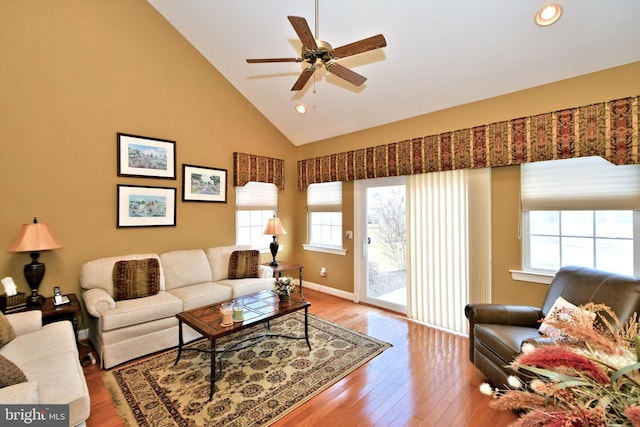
{"x":261,"y":307}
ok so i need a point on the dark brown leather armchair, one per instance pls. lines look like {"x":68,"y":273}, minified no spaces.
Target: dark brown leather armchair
{"x":497,"y":331}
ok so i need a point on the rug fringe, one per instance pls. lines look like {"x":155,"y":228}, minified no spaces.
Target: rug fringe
{"x":119,"y":402}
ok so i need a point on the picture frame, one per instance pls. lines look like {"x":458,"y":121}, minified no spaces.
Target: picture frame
{"x":204,"y":184}
{"x":145,"y":157}
{"x":141,"y":206}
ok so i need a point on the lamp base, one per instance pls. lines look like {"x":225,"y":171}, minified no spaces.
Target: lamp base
{"x":35,"y":298}
{"x":273,"y":247}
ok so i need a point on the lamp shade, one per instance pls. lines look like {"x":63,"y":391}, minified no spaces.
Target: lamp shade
{"x":34,"y":237}
{"x":274,"y":227}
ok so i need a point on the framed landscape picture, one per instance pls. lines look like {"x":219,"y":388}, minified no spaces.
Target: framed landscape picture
{"x":204,"y":184}
{"x":146,"y":206}
{"x":142,"y":156}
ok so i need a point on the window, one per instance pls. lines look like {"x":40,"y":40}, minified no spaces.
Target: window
{"x":582,"y":211}
{"x":256,"y":202}
{"x":324,"y":204}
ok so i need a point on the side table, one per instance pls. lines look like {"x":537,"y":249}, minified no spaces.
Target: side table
{"x":54,"y":313}
{"x":287,"y":266}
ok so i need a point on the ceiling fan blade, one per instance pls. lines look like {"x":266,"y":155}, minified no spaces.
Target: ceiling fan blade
{"x":303,"y":79}
{"x":345,"y":73}
{"x":364,"y":45}
{"x":303,"y":31}
{"x":257,"y":61}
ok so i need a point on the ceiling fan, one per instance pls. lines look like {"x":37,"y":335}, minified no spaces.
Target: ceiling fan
{"x":318,"y":53}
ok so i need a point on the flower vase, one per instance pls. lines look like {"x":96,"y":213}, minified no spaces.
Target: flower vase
{"x":284,"y":297}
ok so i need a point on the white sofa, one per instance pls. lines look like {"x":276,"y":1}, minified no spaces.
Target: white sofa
{"x":127,"y":329}
{"x":48,"y":357}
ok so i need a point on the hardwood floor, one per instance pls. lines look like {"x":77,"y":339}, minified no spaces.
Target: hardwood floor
{"x":425,"y":379}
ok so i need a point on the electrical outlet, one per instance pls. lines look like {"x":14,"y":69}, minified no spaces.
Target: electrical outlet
{"x":323,"y":272}
{"x":348,"y":234}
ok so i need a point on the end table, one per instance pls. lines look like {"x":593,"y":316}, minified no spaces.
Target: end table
{"x":287,"y":266}
{"x":54,"y":313}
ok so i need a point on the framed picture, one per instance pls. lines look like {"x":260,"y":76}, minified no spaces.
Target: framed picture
{"x":146,"y":157}
{"x":203,"y":184}
{"x":146,"y":206}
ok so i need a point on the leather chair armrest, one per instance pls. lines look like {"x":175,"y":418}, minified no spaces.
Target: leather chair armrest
{"x":500,"y":314}
{"x":97,"y":300}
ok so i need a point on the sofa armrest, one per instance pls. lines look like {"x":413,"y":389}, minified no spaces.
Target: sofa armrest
{"x":25,"y":322}
{"x":20,"y":394}
{"x":265,"y":272}
{"x":500,"y":314}
{"x":98,"y":300}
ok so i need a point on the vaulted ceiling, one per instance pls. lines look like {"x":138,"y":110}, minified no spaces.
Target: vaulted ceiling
{"x":439,"y":54}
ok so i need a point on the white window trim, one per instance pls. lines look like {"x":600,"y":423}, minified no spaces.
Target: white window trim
{"x":324,"y":249}
{"x":531,"y":276}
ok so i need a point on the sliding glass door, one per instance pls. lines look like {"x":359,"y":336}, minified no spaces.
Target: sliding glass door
{"x":382,"y":251}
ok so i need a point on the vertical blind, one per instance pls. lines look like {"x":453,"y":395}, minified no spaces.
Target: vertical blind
{"x":586,"y":183}
{"x":446,"y":256}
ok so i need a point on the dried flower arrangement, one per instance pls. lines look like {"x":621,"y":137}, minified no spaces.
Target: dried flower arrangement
{"x":588,"y":376}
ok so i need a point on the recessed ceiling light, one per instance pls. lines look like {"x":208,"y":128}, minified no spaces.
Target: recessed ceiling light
{"x":300,"y":108}
{"x":548,"y":14}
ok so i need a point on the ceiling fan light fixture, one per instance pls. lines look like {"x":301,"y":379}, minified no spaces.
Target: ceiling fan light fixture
{"x":300,"y":108}
{"x":548,"y":14}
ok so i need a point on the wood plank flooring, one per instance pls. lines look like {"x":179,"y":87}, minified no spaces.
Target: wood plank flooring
{"x":425,"y":379}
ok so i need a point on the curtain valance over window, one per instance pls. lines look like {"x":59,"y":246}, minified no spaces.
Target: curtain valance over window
{"x":609,"y":130}
{"x":249,"y":167}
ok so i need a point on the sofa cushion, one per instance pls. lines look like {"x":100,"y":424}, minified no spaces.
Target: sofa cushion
{"x":185,"y":268}
{"x":247,"y":286}
{"x":219,"y":260}
{"x":503,"y":341}
{"x":136,"y":278}
{"x":140,"y":310}
{"x":195,"y":296}
{"x":243,"y":264}
{"x":6,"y":331}
{"x":10,"y":374}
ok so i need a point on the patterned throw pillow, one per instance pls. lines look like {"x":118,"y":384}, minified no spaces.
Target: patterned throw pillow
{"x":243,"y":264}
{"x":136,"y":278}
{"x":10,"y":374}
{"x":6,"y":331}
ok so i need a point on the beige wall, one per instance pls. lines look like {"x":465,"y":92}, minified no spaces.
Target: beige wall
{"x":73,"y":73}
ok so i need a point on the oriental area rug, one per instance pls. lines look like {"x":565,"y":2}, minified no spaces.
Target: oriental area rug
{"x":259,"y":385}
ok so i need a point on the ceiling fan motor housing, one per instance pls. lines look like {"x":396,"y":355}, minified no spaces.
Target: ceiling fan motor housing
{"x":324,"y":53}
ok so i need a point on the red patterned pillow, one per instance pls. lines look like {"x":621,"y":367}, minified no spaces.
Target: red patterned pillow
{"x":136,"y":278}
{"x":243,"y":264}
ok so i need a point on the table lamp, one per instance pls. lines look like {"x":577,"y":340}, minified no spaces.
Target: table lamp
{"x":274,"y":228}
{"x":34,"y":238}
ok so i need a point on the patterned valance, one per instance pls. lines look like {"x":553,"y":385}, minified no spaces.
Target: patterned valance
{"x":609,"y":130}
{"x":248,"y":167}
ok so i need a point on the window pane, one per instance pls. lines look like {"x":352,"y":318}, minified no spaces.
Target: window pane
{"x":544,"y":253}
{"x":577,"y":251}
{"x":614,"y":224}
{"x":615,"y":256}
{"x":325,"y":228}
{"x":250,"y":226}
{"x":577,"y":223}
{"x":544,"y":222}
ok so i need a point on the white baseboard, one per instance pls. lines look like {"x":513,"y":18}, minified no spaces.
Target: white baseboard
{"x":327,"y":290}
